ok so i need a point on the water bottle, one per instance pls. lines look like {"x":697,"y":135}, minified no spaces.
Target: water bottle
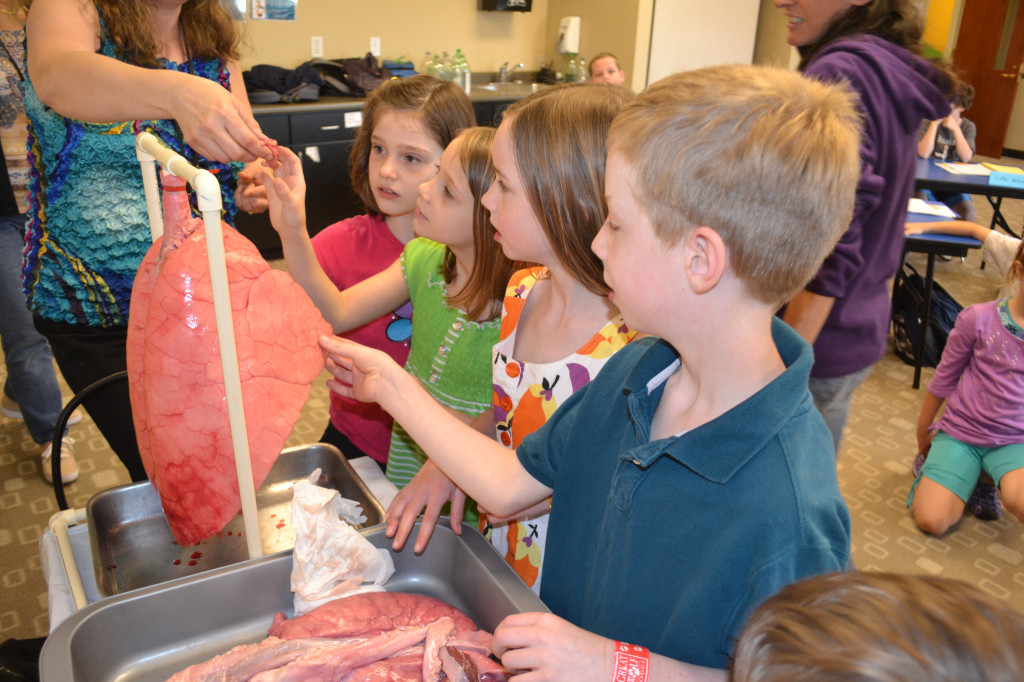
{"x":429,"y":65}
{"x":582,"y":73}
{"x":572,"y":69}
{"x":463,"y":79}
{"x":444,"y":69}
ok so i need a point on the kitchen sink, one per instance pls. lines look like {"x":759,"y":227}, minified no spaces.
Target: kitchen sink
{"x":512,"y":88}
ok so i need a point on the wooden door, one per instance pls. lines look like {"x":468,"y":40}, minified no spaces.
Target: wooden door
{"x":989,"y":51}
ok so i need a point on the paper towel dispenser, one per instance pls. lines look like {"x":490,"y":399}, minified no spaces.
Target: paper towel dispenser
{"x":506,"y":5}
{"x":569,"y":35}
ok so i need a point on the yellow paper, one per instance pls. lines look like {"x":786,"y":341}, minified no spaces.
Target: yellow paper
{"x":1002,"y":169}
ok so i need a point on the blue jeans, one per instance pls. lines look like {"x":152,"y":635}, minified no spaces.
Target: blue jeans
{"x":31,"y":380}
{"x":833,"y":396}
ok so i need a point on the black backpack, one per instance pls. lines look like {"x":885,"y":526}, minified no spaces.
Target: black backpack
{"x":907,"y":308}
{"x":354,"y":77}
{"x":267,"y":84}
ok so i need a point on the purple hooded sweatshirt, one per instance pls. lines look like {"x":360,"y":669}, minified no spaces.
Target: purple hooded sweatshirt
{"x":896,"y":90}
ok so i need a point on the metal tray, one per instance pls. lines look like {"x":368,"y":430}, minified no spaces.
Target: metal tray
{"x":151,"y":633}
{"x":132,"y":545}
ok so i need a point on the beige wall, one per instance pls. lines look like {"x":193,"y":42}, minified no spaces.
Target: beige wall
{"x":605,"y":26}
{"x":770,"y":46}
{"x":406,"y":28}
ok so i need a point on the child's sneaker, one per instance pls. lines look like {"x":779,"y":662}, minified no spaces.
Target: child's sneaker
{"x":984,"y":502}
{"x":12,"y":410}
{"x":68,"y":465}
{"x":918,"y":463}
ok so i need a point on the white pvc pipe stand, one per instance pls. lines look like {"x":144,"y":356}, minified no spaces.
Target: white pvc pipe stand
{"x":148,"y":149}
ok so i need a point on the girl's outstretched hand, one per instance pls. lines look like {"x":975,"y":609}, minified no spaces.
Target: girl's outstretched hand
{"x":542,"y":646}
{"x":361,"y":372}
{"x":250,"y":194}
{"x":286,"y":194}
{"x":428,"y":491}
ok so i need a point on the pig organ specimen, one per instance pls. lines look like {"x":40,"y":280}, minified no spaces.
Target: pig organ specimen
{"x":362,"y":638}
{"x":175,"y":376}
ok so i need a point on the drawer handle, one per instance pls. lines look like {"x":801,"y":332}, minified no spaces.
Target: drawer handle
{"x":333,"y":127}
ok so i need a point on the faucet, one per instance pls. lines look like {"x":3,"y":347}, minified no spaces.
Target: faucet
{"x":504,"y":73}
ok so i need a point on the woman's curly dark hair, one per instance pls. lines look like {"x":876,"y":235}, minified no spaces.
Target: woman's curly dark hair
{"x":208,"y":30}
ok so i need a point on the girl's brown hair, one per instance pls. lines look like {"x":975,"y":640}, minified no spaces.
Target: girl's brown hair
{"x":488,"y":278}
{"x":444,"y":109}
{"x":1015,"y":274}
{"x":207,"y":28}
{"x":559,"y":141}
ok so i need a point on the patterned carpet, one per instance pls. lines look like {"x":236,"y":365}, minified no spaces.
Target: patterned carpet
{"x":874,"y":472}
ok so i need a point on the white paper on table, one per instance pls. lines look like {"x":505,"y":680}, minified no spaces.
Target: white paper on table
{"x":926,"y":208}
{"x":960,"y":168}
{"x":331,"y":559}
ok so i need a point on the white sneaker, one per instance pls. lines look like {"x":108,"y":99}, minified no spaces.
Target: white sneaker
{"x":12,"y":410}
{"x":68,"y":465}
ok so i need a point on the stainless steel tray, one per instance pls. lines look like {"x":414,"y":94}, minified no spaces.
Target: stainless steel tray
{"x":132,"y":545}
{"x":151,"y":633}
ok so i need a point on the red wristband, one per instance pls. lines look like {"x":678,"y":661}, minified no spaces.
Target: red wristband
{"x":632,"y":663}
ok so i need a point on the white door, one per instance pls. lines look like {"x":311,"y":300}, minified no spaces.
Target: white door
{"x":687,"y":34}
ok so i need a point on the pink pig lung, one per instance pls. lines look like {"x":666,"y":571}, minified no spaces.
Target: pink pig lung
{"x":176,"y":380}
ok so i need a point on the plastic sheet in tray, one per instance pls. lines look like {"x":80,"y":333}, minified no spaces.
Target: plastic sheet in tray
{"x":132,"y":545}
{"x":151,"y":633}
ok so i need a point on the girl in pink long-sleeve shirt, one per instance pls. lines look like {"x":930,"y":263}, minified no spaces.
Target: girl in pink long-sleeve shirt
{"x":982,"y":428}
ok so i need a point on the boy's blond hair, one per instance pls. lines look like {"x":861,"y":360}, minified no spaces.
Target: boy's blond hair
{"x":881,"y":627}
{"x":765,"y":157}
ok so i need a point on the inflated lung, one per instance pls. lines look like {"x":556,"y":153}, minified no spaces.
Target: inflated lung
{"x":175,"y":376}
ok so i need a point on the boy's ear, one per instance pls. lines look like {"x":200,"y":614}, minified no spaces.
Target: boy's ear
{"x":706,"y":259}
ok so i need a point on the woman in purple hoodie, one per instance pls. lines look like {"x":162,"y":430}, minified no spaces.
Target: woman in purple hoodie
{"x":874,"y":47}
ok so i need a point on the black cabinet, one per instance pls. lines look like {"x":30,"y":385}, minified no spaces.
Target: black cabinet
{"x":323,"y":140}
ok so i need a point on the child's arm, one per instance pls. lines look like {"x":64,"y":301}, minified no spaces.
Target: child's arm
{"x":926,"y":145}
{"x":553,"y":649}
{"x":487,"y":471}
{"x":344,"y":310}
{"x":428,"y":492}
{"x":963,"y":147}
{"x":930,"y":408}
{"x":807,"y":313}
{"x":962,"y":228}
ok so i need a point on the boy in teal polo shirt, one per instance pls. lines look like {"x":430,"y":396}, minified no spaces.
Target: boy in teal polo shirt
{"x":693,"y":477}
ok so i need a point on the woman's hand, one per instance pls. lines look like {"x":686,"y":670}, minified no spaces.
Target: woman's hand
{"x":215,"y":123}
{"x":250,"y":194}
{"x":286,"y":194}
{"x":542,"y":646}
{"x":429,"y":490}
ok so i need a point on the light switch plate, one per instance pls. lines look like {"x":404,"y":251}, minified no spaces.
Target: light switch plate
{"x":316,"y":47}
{"x":375,"y":47}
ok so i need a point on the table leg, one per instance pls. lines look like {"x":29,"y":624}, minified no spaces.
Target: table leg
{"x":926,"y":317}
{"x":997,"y":216}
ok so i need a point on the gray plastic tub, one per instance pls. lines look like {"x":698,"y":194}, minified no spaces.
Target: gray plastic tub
{"x":151,"y":633}
{"x":132,"y":545}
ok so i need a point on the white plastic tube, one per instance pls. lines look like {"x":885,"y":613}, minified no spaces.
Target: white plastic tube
{"x":208,"y":192}
{"x":59,"y":524}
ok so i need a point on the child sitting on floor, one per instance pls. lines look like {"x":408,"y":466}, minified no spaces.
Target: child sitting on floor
{"x":982,"y":428}
{"x":693,"y":477}
{"x":881,"y":627}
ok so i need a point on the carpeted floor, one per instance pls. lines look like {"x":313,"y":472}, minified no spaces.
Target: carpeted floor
{"x":874,"y":472}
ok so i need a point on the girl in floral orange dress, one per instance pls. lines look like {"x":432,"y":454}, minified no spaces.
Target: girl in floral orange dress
{"x":558,"y":326}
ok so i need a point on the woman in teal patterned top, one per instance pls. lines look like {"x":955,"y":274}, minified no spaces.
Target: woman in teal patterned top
{"x":98,"y":73}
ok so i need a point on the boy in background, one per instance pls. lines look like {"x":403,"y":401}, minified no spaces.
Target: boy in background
{"x":952,"y":139}
{"x":604,"y":68}
{"x":693,"y":478}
